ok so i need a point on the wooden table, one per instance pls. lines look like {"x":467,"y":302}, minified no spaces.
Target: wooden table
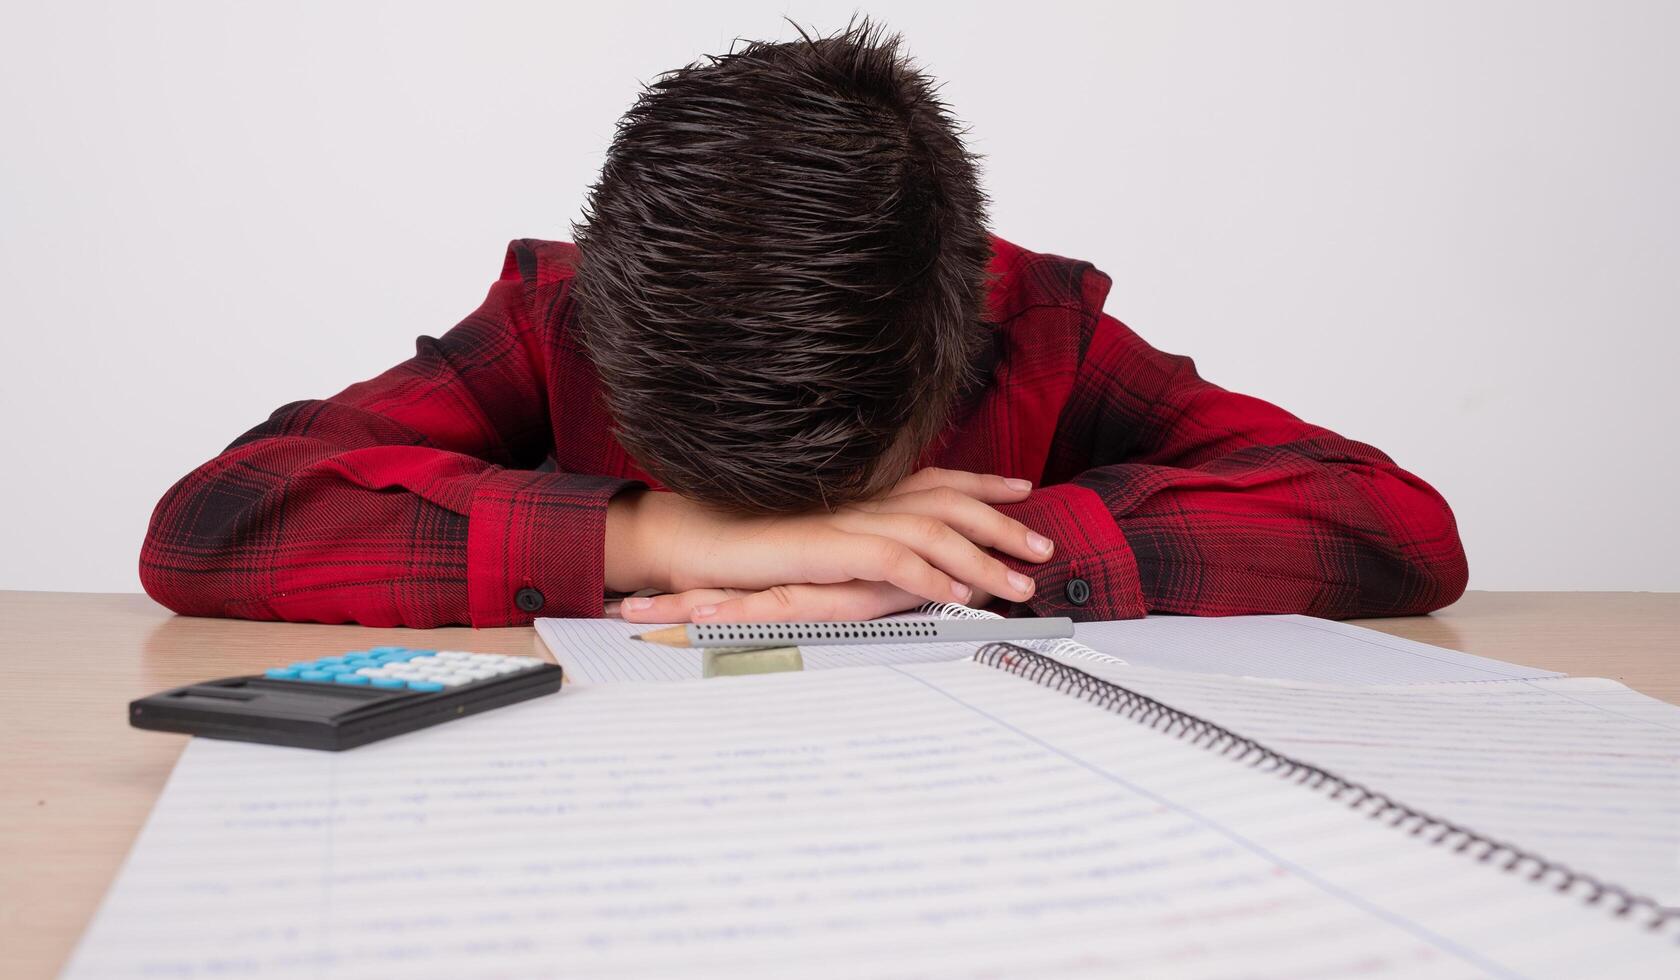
{"x":79,"y":782}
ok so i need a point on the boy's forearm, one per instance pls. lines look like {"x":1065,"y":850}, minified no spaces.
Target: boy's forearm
{"x":626,"y":564}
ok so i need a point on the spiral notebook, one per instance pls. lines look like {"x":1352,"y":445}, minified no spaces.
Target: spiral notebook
{"x":602,"y":651}
{"x":1010,"y":814}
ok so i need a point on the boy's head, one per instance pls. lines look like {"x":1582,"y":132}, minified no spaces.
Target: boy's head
{"x":781,"y":272}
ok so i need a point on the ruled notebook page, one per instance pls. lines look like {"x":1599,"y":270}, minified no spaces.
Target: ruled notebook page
{"x":935,"y":820}
{"x":1581,"y":769}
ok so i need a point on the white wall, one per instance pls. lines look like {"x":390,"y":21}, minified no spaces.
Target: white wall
{"x":1448,"y":229}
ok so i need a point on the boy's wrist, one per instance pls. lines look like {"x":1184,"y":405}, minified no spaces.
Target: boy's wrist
{"x":623,"y":560}
{"x":637,"y":542}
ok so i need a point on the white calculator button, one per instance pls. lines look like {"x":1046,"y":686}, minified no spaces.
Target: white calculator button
{"x":524,"y":662}
{"x":424,"y":662}
{"x":453,"y":655}
{"x":372,"y":672}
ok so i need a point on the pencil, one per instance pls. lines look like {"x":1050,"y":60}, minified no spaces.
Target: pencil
{"x":872,"y":631}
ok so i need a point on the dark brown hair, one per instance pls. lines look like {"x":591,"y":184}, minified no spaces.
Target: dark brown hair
{"x":781,"y":271}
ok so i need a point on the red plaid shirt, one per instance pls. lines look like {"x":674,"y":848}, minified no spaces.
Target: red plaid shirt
{"x":469,"y":484}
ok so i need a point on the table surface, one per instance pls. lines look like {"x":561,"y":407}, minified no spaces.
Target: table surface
{"x":79,"y":782}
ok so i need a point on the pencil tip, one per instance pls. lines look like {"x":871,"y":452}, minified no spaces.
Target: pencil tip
{"x":638,"y":636}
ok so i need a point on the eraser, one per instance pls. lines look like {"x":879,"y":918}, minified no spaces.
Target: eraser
{"x":734,"y":661}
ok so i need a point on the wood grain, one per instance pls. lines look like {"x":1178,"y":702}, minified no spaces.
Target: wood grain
{"x":79,"y":782}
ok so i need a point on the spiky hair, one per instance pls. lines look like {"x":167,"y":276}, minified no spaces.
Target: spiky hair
{"x":781,"y":271}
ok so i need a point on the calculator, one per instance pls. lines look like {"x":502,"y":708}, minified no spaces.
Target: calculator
{"x":345,"y":700}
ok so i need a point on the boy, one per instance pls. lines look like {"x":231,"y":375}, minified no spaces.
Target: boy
{"x":786,"y":373}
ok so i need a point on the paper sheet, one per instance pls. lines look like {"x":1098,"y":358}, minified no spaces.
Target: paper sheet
{"x":1292,"y":647}
{"x":932,"y":820}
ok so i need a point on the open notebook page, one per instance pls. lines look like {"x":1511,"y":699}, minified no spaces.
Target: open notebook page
{"x":1581,"y":769}
{"x":934,"y":820}
{"x":1297,"y":647}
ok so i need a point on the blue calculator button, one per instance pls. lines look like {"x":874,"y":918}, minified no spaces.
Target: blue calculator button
{"x":350,"y":679}
{"x":281,"y":673}
{"x":303,"y":665}
{"x":314,"y":675}
{"x":328,"y":661}
{"x":388,"y":683}
{"x":401,"y":656}
{"x":422,"y":653}
{"x":336,"y":669}
{"x":360,"y":662}
{"x":381,"y":651}
{"x":426,"y":686}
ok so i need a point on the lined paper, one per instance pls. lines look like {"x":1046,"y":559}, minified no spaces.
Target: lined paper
{"x":937,"y":820}
{"x":1583,"y":770}
{"x":1289,"y":647}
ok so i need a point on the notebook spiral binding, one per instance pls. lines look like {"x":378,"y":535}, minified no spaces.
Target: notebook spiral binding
{"x":1065,"y":648}
{"x":1068,"y":679}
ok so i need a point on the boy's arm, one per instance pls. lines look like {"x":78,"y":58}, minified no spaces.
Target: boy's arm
{"x":1225,"y":504}
{"x":398,"y":501}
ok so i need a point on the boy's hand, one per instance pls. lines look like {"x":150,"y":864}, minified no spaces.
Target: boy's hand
{"x":925,"y":540}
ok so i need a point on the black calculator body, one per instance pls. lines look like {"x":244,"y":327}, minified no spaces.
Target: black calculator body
{"x":307,"y":707}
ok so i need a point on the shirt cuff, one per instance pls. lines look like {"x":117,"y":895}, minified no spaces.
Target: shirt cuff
{"x":1092,"y":575}
{"x":536,"y":546}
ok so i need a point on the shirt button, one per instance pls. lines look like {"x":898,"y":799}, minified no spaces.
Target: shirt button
{"x":1078,"y":591}
{"x":529,"y":599}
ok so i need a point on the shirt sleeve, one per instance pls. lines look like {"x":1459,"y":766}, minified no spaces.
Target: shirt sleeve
{"x":1192,"y":499}
{"x":406,"y":500}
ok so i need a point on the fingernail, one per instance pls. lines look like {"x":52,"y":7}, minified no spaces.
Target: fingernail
{"x":638,"y":603}
{"x":1038,"y":543}
{"x":1019,"y":486}
{"x":1021,"y":582}
{"x":704,"y":612}
{"x":611,"y":609}
{"x":961,"y":591}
